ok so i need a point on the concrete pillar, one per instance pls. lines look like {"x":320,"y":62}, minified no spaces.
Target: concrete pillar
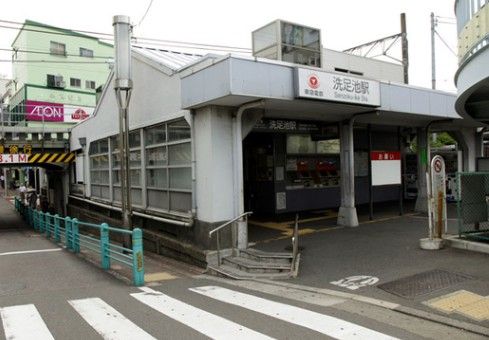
{"x":423,"y":155}
{"x":471,"y":144}
{"x":215,"y":177}
{"x":347,"y":215}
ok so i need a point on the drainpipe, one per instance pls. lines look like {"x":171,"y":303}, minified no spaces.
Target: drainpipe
{"x":192,"y":146}
{"x":242,"y":232}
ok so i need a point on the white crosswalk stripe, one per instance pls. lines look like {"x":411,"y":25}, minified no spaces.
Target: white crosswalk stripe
{"x":328,"y":325}
{"x":204,"y":322}
{"x":107,"y":321}
{"x":24,"y":322}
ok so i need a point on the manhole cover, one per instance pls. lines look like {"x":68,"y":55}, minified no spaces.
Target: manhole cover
{"x":423,"y":283}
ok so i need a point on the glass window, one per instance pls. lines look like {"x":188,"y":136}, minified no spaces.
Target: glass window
{"x":135,"y":177}
{"x":179,"y":154}
{"x":90,"y":84}
{"x":134,"y":139}
{"x":135,"y":158}
{"x":156,"y":156}
{"x":57,"y":48}
{"x":156,"y":178}
{"x":74,"y":82}
{"x":180,"y":201}
{"x":85,"y":52}
{"x":156,"y":135}
{"x":328,"y":146}
{"x":181,"y":178}
{"x":158,"y":199}
{"x":178,"y":130}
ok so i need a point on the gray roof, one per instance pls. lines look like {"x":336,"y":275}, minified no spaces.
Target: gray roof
{"x":173,"y":60}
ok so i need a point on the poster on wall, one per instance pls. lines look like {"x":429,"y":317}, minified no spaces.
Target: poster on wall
{"x":75,"y":114}
{"x":386,"y":167}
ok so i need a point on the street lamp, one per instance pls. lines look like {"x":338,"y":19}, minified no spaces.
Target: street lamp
{"x":123,"y":88}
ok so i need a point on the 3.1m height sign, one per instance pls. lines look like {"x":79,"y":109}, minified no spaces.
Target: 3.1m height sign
{"x":13,"y":158}
{"x":386,"y":167}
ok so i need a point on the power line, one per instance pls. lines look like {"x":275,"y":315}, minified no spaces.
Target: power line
{"x":152,"y":40}
{"x":144,"y":16}
{"x":49,"y":53}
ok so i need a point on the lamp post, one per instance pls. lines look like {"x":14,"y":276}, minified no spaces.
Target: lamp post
{"x":123,"y":88}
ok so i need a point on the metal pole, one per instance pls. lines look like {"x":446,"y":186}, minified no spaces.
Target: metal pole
{"x":401,"y":187}
{"x":405,"y":54}
{"x":123,"y":88}
{"x":370,"y":188}
{"x":433,"y":66}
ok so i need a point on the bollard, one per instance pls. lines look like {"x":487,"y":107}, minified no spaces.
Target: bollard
{"x":68,"y":233}
{"x":137,"y":257}
{"x":47,"y":224}
{"x":75,"y":232}
{"x":104,"y":246}
{"x":57,"y":236}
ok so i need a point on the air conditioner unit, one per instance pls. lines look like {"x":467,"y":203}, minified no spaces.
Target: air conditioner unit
{"x":58,"y":82}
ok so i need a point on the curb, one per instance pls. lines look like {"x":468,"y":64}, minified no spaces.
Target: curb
{"x":467,"y":326}
{"x":440,"y":319}
{"x":455,"y":242}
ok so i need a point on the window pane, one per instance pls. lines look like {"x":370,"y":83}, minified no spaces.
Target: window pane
{"x":116,"y":177}
{"x":156,"y":135}
{"x":135,"y":177}
{"x":158,"y":199}
{"x":135,"y":158}
{"x":328,"y":146}
{"x":156,"y":156}
{"x":134,"y":139}
{"x":136,"y":196}
{"x":178,"y":130}
{"x":104,"y":145}
{"x":181,"y":201}
{"x":156,"y":178}
{"x":84,"y":52}
{"x":114,"y":140}
{"x":116,"y":160}
{"x":179,"y":154}
{"x":181,"y":178}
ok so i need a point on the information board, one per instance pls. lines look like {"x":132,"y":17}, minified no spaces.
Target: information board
{"x":386,"y":167}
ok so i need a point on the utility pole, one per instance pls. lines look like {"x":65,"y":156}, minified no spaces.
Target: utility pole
{"x":405,"y":54}
{"x":123,"y":88}
{"x":433,"y":66}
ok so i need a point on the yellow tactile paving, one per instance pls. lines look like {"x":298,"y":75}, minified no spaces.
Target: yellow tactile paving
{"x":478,"y":310}
{"x":454,"y":301}
{"x":162,"y":276}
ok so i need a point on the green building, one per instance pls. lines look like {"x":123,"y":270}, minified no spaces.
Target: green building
{"x":56,"y":73}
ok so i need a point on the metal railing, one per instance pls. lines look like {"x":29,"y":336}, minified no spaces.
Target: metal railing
{"x":66,"y":230}
{"x":222,"y":226}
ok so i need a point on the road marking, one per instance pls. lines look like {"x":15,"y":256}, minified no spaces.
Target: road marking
{"x":204,"y":322}
{"x":328,"y":325}
{"x":107,"y":321}
{"x":356,"y":282}
{"x":24,"y":322}
{"x":161,"y":276}
{"x":31,"y":251}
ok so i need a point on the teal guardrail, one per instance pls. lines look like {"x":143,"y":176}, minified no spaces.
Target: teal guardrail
{"x":66,"y":230}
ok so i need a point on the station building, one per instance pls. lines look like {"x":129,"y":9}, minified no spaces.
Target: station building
{"x":293,"y":128}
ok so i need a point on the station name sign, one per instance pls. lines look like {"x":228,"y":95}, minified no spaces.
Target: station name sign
{"x":313,"y":84}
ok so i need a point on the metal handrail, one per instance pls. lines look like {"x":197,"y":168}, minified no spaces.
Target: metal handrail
{"x":218,"y":229}
{"x":229,"y":222}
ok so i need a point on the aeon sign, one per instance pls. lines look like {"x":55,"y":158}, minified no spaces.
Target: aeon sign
{"x":44,"y":111}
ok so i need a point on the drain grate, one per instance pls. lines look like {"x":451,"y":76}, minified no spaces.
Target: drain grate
{"x":423,"y":283}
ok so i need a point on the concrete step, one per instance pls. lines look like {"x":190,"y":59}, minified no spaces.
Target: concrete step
{"x":259,"y":255}
{"x":252,"y":266}
{"x":230,"y":272}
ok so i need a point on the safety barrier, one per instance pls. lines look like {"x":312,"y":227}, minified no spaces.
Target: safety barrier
{"x":66,"y":230}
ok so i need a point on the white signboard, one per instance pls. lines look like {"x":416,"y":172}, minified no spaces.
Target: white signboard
{"x":75,"y":114}
{"x":386,"y":167}
{"x":438,"y":190}
{"x":336,"y":87}
{"x":13,"y":158}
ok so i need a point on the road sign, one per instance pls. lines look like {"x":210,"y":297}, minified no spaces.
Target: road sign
{"x":438,"y":190}
{"x":13,"y":158}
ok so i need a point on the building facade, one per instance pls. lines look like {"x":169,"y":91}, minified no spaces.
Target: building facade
{"x":212,"y":136}
{"x":56,"y":73}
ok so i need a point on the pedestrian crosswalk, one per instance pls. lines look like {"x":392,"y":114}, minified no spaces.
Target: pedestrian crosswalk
{"x":25,"y":322}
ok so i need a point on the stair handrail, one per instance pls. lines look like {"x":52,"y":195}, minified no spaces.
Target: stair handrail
{"x":218,"y":229}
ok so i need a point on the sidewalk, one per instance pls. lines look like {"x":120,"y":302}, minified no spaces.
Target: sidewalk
{"x":387,"y":264}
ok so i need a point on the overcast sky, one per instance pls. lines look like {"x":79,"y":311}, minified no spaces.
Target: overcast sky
{"x":343,"y":24}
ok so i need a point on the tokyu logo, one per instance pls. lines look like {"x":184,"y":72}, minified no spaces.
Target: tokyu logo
{"x":313,"y":81}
